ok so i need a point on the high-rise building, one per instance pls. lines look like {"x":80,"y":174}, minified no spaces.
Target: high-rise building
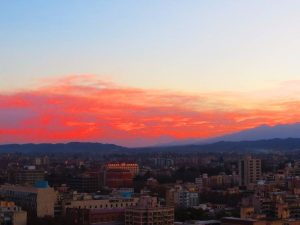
{"x":149,"y":211}
{"x":84,"y":183}
{"x":120,"y":174}
{"x":29,"y":175}
{"x":249,"y":171}
{"x":132,"y":167}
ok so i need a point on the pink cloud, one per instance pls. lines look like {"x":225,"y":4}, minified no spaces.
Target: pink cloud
{"x":83,"y":108}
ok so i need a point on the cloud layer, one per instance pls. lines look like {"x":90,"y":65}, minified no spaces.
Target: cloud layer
{"x":84,"y":108}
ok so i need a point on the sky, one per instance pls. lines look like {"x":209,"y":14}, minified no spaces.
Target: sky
{"x":139,"y":73}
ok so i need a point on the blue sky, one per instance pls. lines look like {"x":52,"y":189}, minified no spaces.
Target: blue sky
{"x":181,"y":45}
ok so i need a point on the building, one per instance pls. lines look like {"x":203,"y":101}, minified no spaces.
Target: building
{"x":85,"y":183}
{"x":199,"y":222}
{"x":149,"y":211}
{"x":186,"y":199}
{"x":239,"y":221}
{"x":118,"y":178}
{"x":29,"y":175}
{"x":249,"y":171}
{"x":131,"y":167}
{"x":10,"y":214}
{"x":38,"y":200}
{"x":39,"y":161}
{"x":120,"y":174}
{"x":87,"y":201}
{"x":163,"y":162}
{"x":96,"y":216}
{"x":182,"y":197}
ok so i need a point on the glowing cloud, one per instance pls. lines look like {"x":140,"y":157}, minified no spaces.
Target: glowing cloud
{"x":84,"y":108}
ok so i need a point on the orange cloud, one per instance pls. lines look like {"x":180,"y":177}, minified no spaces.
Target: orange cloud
{"x":83,"y":108}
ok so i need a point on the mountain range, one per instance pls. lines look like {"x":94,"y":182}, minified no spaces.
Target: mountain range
{"x":264,"y":132}
{"x":263,"y":138}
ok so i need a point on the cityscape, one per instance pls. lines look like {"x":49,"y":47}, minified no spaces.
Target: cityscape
{"x":163,"y":112}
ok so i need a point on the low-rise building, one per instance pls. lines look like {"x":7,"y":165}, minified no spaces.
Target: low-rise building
{"x":12,"y":214}
{"x":149,"y":211}
{"x":96,"y":216}
{"x":38,"y":200}
{"x":87,"y":201}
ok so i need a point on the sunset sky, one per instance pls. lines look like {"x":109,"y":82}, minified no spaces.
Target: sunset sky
{"x":139,"y":73}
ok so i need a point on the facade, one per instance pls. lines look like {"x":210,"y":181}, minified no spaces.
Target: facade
{"x":239,"y":221}
{"x":148,"y":211}
{"x":117,"y":178}
{"x":199,"y":222}
{"x":10,"y":214}
{"x":186,"y":199}
{"x":163,"y":162}
{"x":120,"y":174}
{"x":182,"y":198}
{"x":37,"y":201}
{"x":29,"y":175}
{"x":99,"y":203}
{"x":96,"y":216}
{"x":131,"y":167}
{"x":249,"y":171}
{"x":85,"y":183}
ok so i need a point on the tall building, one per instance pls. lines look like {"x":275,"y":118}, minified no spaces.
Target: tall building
{"x":84,"y":183}
{"x":116,"y":178}
{"x":29,"y":175}
{"x":132,"y":167}
{"x":120,"y":174}
{"x":249,"y":171}
{"x":38,"y":200}
{"x":149,"y":211}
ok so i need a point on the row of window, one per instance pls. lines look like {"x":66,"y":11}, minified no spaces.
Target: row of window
{"x":105,"y":206}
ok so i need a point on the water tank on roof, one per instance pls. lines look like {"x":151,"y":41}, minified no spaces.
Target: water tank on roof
{"x":41,"y":184}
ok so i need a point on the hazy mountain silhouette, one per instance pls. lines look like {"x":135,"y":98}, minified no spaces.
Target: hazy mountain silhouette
{"x":279,"y":138}
{"x":263,"y":132}
{"x":284,"y":145}
{"x":72,"y":147}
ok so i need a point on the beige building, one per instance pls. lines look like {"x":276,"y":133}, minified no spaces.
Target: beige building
{"x":249,"y":171}
{"x":84,"y":201}
{"x":37,"y":201}
{"x":12,"y":214}
{"x":148,"y":211}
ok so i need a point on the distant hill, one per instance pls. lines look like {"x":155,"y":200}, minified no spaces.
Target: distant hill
{"x":277,"y":144}
{"x":282,"y":145}
{"x":72,"y":147}
{"x":263,"y":132}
